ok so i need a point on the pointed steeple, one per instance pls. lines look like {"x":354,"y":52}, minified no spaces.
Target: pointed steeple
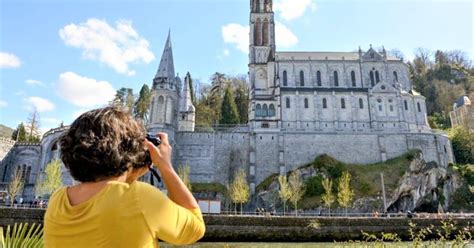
{"x":186,"y":104}
{"x":166,"y":68}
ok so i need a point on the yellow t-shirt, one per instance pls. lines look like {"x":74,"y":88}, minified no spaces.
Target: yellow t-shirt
{"x":120,"y":215}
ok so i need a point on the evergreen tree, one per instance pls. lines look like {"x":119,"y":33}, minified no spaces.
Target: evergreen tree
{"x":229,"y":113}
{"x":124,"y":98}
{"x":20,"y":133}
{"x":242,"y":99}
{"x":143,"y":103}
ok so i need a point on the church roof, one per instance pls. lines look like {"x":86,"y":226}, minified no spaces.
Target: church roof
{"x":317,"y":55}
{"x":166,"y":68}
{"x":282,"y":56}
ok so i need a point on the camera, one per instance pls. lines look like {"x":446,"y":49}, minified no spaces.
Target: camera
{"x":155,"y":140}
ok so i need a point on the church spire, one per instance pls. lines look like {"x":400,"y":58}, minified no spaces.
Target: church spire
{"x":166,"y":68}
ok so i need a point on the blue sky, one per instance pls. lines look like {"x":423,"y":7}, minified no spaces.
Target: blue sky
{"x":65,"y":57}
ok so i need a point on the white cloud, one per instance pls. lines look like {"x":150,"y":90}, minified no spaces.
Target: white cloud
{"x":116,"y":47}
{"x":292,"y":9}
{"x":8,"y":60}
{"x":40,"y":104}
{"x":285,"y":38}
{"x":238,"y":35}
{"x":3,"y":104}
{"x":34,"y":82}
{"x":83,"y":91}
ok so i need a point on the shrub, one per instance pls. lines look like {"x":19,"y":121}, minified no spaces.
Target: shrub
{"x":314,"y":186}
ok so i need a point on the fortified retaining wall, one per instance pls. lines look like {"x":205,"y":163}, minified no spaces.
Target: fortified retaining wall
{"x":274,"y":229}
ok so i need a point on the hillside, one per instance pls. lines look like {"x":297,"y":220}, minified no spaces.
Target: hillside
{"x":5,"y":131}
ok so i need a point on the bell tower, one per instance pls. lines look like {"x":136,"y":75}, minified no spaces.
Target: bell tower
{"x":165,"y":94}
{"x":262,"y":75}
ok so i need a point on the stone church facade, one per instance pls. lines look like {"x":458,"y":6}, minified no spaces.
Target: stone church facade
{"x":358,"y":107}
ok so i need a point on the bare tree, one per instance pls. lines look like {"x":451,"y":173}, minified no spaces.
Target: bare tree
{"x":33,"y":126}
{"x":15,"y":186}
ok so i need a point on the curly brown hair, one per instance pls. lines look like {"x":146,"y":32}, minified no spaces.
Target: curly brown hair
{"x":103,"y":143}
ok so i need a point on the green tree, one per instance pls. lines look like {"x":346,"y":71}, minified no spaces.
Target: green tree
{"x":462,"y":141}
{"x":345,"y":194}
{"x":124,"y":98}
{"x":15,"y":186}
{"x":242,"y":99}
{"x":183,"y":173}
{"x":239,"y":190}
{"x":285,"y":191}
{"x":52,"y":179}
{"x":229,"y":113}
{"x":143,"y":103}
{"x":328,"y":197}
{"x":297,"y":189}
{"x":20,"y":133}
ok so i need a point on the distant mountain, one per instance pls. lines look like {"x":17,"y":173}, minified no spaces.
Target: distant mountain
{"x":5,"y":131}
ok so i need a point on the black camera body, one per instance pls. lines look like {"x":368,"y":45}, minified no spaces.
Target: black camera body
{"x":156,"y":141}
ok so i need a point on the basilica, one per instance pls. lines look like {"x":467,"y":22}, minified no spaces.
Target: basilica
{"x":358,"y":107}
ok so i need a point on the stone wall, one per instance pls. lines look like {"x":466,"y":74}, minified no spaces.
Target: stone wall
{"x":213,"y":157}
{"x":274,"y":229}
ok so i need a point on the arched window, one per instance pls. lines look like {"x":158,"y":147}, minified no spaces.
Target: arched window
{"x":353,"y":78}
{"x":406,"y":104}
{"x":306,"y":104}
{"x":302,"y":78}
{"x":265,"y":110}
{"x":391,"y":108}
{"x":361,"y":103}
{"x":380,"y":104}
{"x":285,"y":78}
{"x":325,"y":103}
{"x":265,"y":32}
{"x":395,"y":77}
{"x":419,"y":106}
{"x":161,"y":100}
{"x":372,"y":79}
{"x":28,"y":173}
{"x":258,"y":32}
{"x":258,"y":110}
{"x":271,"y":110}
{"x":343,"y":103}
{"x":336,"y":79}
{"x":318,"y":78}
{"x":377,"y":76}
{"x":288,"y":102}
